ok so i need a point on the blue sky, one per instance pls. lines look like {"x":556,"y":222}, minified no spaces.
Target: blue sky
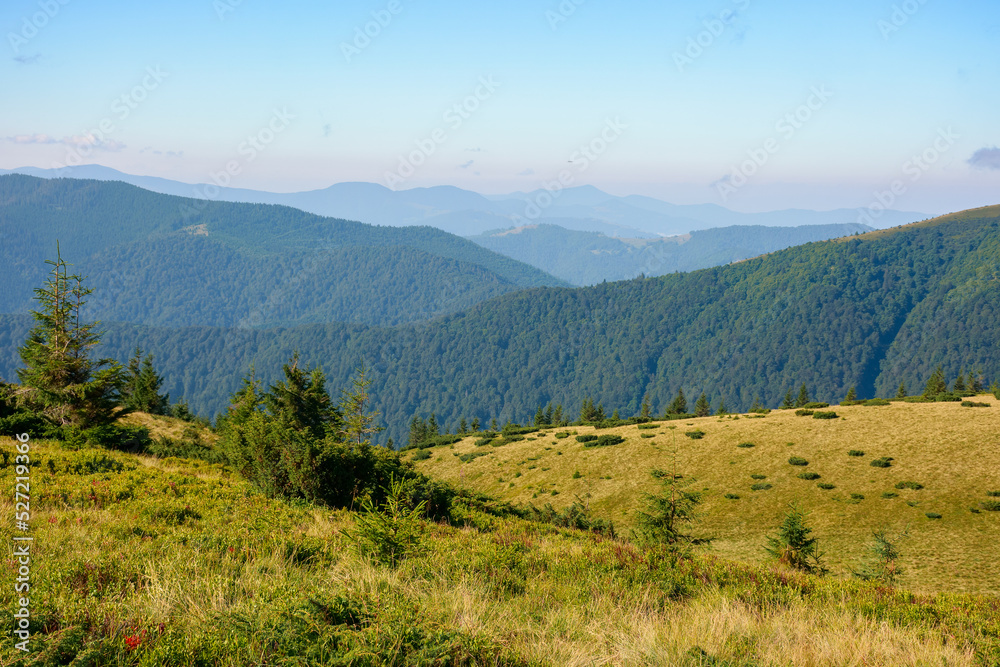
{"x":756,"y":105}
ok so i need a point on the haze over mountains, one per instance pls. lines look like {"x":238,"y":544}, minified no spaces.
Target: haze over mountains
{"x":467,"y":213}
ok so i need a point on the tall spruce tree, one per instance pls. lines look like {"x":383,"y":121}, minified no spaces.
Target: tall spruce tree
{"x":141,"y":391}
{"x":852,"y":395}
{"x":702,"y":408}
{"x":679,"y":405}
{"x":803,"y":397}
{"x":359,"y":424}
{"x":788,"y":403}
{"x":935,"y":384}
{"x":59,"y":380}
{"x":901,"y":392}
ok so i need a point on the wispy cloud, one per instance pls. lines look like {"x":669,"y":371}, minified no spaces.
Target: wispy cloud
{"x":466,"y":165}
{"x":76,"y":141}
{"x":28,"y":60}
{"x":986,"y":158}
{"x":526,"y":172}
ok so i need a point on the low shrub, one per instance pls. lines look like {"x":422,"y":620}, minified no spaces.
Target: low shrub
{"x":803,"y":413}
{"x":826,"y":486}
{"x":973,"y":404}
{"x":855,"y":452}
{"x":746,"y":445}
{"x":561,"y":435}
{"x":648,"y":426}
{"x":825,"y":415}
{"x":760,"y":486}
{"x":884,"y":462}
{"x":857,"y":496}
{"x":697,"y":434}
{"x":932,"y":515}
{"x":815,"y":405}
{"x":874,"y":402}
{"x":586,"y":438}
{"x":758,"y":476}
{"x":506,"y":440}
{"x":422,"y":455}
{"x":915,"y":486}
{"x":990,"y":505}
{"x":577,"y":475}
{"x":605,"y":441}
{"x":809,"y":475}
{"x":482,"y":442}
{"x":889,"y":494}
{"x":797,"y":461}
{"x":732,"y":496}
{"x":647,"y":435}
{"x":993,"y":494}
{"x":472,"y":456}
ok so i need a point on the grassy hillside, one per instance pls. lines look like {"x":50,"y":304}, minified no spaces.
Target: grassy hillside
{"x":953,"y":451}
{"x":588,"y":258}
{"x":169,"y":261}
{"x":142,"y":561}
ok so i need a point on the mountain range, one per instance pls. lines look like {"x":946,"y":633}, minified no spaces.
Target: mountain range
{"x":466,"y":213}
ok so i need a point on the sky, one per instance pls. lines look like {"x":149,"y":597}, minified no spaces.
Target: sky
{"x":750,"y":104}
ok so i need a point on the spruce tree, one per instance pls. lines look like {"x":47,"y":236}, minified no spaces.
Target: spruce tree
{"x":788,"y":403}
{"x":646,"y":411}
{"x":959,"y":384}
{"x":300,"y":401}
{"x":901,"y":392}
{"x":702,"y":407}
{"x":475,"y":424}
{"x":539,"y":417}
{"x":358,"y":423}
{"x":722,"y":407}
{"x":433,"y":430}
{"x":141,"y":391}
{"x":852,"y":395}
{"x":59,"y":380}
{"x":418,"y":431}
{"x":463,"y":426}
{"x":803,"y":396}
{"x":792,"y":544}
{"x":679,"y":405}
{"x":935,"y":384}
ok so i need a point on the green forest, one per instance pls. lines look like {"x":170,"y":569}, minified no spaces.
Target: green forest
{"x":169,"y":261}
{"x":869,"y":311}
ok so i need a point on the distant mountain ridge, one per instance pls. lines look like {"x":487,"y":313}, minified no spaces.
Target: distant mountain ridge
{"x":465,"y":213}
{"x":234,"y":264}
{"x":587,"y":258}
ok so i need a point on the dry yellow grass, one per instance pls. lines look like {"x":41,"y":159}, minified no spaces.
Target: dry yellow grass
{"x":952,"y":450}
{"x":168,"y":427}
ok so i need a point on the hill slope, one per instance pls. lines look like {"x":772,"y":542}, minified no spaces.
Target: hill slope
{"x":583,"y":258}
{"x":864,"y":312}
{"x":951,"y":450}
{"x":163,"y":260}
{"x":170,"y":562}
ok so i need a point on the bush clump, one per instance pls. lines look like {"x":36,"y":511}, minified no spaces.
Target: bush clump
{"x":915,"y":486}
{"x":647,"y":435}
{"x":855,"y":452}
{"x":746,"y":445}
{"x":993,"y":494}
{"x":889,"y":494}
{"x":562,"y":434}
{"x":824,"y":415}
{"x":696,"y":434}
{"x":760,"y":486}
{"x":648,"y":426}
{"x":815,"y":405}
{"x":990,"y":505}
{"x":874,"y":402}
{"x":758,"y":476}
{"x":586,"y":438}
{"x":809,"y":475}
{"x":732,"y":496}
{"x":974,"y":404}
{"x":605,"y":441}
{"x":797,"y":461}
{"x":803,"y":413}
{"x":471,"y":456}
{"x":826,"y":486}
{"x":482,"y":442}
{"x":884,"y":462}
{"x":932,"y":515}
{"x":422,"y":455}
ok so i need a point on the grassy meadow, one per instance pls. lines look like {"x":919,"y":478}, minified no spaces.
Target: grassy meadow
{"x":146,"y":561}
{"x":952,"y":451}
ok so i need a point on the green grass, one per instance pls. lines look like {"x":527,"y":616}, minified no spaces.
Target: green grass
{"x":143,"y":561}
{"x":940,"y":445}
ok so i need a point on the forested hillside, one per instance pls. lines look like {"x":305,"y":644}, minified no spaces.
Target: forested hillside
{"x":169,"y":261}
{"x":869,"y":311}
{"x":587,"y":258}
